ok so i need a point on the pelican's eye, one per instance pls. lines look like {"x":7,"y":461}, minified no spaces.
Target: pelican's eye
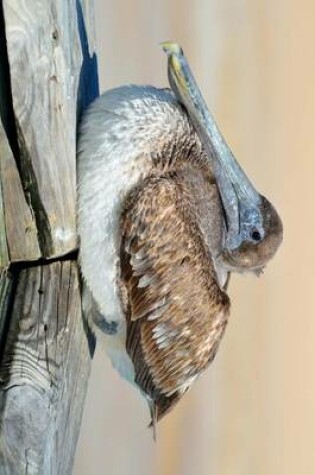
{"x":255,"y":235}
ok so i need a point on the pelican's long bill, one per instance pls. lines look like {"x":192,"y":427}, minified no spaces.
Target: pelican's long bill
{"x":240,"y":199}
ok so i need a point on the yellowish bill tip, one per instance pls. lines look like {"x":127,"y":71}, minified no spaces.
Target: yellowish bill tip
{"x":175,"y":54}
{"x":171,"y":47}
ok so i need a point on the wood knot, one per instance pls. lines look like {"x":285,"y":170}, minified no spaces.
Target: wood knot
{"x":55,"y":34}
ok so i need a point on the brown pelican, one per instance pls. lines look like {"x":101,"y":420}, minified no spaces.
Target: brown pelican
{"x":165,"y":213}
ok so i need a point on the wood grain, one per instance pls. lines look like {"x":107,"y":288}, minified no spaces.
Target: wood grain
{"x":44,"y":372}
{"x":4,"y":257}
{"x":45,"y":352}
{"x":19,"y":226}
{"x":45,"y":59}
{"x":6,"y":287}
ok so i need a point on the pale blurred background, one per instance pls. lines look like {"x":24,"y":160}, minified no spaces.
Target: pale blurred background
{"x":253,"y":413}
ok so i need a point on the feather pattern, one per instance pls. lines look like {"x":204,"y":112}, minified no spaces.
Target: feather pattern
{"x":177,"y":311}
{"x":151,"y":229}
{"x":153,"y":235}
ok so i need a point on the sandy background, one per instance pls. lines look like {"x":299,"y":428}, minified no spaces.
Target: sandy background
{"x":253,"y":413}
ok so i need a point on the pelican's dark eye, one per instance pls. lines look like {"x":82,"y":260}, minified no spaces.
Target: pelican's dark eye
{"x":256,"y":235}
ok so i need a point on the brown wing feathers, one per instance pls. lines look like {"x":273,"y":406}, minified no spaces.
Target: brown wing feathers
{"x":176,"y":312}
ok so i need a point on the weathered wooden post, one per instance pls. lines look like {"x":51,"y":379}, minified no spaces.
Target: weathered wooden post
{"x":48,"y":74}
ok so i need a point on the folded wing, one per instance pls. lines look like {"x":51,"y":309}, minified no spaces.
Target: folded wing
{"x":176,"y":311}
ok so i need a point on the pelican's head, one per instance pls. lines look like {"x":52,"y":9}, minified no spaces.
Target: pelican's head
{"x":254,"y":229}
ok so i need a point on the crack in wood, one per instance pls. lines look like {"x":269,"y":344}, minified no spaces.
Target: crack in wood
{"x":19,"y":150}
{"x":6,"y":103}
{"x":70,"y":256}
{"x":8,"y":283}
{"x":30,"y":186}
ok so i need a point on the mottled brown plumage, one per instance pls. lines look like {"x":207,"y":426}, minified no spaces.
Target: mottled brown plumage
{"x":176,"y":309}
{"x":165,"y":213}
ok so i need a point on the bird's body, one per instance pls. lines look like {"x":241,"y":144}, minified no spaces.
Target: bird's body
{"x":149,"y":248}
{"x":153,"y":223}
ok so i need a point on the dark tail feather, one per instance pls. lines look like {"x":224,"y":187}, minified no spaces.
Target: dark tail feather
{"x":154,"y":417}
{"x":160,"y":407}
